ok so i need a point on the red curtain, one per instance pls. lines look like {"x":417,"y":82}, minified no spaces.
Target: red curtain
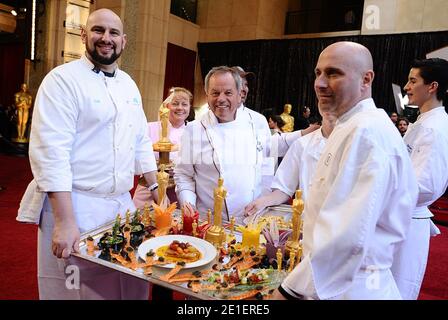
{"x":179,"y":71}
{"x":12,"y":66}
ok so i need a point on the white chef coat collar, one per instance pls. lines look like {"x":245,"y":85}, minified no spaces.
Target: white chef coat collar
{"x":240,"y":114}
{"x":95,"y":68}
{"x":431,"y":112}
{"x":363,"y":105}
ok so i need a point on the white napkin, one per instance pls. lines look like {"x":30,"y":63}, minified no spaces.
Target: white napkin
{"x":31,"y":204}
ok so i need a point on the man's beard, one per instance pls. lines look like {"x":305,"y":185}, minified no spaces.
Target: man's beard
{"x":102,"y":59}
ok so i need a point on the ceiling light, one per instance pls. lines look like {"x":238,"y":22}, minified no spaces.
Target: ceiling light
{"x":14,"y":12}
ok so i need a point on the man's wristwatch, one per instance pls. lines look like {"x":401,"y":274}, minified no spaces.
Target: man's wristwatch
{"x":153,"y":187}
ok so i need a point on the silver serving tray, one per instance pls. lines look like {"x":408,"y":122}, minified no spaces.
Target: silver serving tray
{"x":97,"y":233}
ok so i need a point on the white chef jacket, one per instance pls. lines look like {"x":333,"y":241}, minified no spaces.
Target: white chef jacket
{"x":89,"y":132}
{"x":427,"y":143}
{"x":299,"y":164}
{"x":237,"y":150}
{"x":358,"y":208}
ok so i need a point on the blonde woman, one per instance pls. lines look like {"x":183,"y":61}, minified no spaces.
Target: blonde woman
{"x":179,"y":104}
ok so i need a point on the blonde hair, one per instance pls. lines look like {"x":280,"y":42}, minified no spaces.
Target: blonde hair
{"x":174,"y":90}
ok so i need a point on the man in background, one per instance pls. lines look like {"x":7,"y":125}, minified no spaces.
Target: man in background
{"x":427,"y":143}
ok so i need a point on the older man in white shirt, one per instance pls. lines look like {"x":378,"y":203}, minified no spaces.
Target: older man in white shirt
{"x":362,"y":194}
{"x":88,"y":140}
{"x":229,"y":141}
{"x":427,"y":143}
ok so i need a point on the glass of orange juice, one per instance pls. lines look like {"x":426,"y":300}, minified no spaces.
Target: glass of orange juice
{"x":251,"y":236}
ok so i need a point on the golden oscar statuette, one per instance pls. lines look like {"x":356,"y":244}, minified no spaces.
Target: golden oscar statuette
{"x":216,"y":233}
{"x":293,"y":244}
{"x":22,"y":102}
{"x":162,"y":180}
{"x":164,"y":146}
{"x":289,"y":119}
{"x":146,"y":215}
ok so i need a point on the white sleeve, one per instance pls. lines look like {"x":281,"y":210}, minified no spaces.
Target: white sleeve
{"x":430,"y":160}
{"x":268,"y":165}
{"x":287,"y":176}
{"x":184,"y":169}
{"x":145,"y":160}
{"x":53,"y":133}
{"x":282,"y":142}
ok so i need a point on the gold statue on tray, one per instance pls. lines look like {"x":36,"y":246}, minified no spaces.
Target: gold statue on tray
{"x":162,"y":180}
{"x":219,"y":195}
{"x":146,"y":215}
{"x":164,"y":146}
{"x":293,"y":244}
{"x":216,"y":233}
{"x":279,"y":256}
{"x":289,"y":120}
{"x":22,"y":101}
{"x":164,"y":113}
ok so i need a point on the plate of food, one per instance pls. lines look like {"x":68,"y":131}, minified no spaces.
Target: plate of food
{"x":194,"y":252}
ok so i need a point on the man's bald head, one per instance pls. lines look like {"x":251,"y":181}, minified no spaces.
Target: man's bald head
{"x":104,"y":14}
{"x":344,"y":75}
{"x":104,"y":38}
{"x":357,"y":55}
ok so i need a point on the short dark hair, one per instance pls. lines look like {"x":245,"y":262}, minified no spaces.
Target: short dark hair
{"x":278,"y":120}
{"x":434,"y":69}
{"x":402,"y":119}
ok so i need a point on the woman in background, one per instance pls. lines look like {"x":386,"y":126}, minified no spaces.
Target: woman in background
{"x":179,"y":103}
{"x":275,"y":124}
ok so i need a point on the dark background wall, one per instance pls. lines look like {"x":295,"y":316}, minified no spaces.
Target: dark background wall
{"x":285,"y":68}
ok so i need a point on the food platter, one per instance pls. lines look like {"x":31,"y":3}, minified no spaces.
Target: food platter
{"x":199,"y":280}
{"x":207,"y":250}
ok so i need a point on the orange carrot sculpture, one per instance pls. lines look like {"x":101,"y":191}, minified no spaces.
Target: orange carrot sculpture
{"x":163,"y":218}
